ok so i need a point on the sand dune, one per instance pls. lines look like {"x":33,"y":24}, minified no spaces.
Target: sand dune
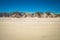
{"x":29,"y":28}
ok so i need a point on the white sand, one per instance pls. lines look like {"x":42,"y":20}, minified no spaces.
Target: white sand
{"x":30,"y":29}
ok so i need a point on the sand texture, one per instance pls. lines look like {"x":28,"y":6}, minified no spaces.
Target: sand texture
{"x":29,"y":28}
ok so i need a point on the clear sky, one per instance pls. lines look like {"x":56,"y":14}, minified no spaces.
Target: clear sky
{"x":30,"y":6}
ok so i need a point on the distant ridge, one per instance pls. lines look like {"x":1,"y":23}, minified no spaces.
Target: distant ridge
{"x":29,"y":14}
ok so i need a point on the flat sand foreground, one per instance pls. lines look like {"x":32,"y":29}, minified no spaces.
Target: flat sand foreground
{"x":29,"y":29}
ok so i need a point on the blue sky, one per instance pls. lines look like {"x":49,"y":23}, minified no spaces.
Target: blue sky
{"x":30,"y":6}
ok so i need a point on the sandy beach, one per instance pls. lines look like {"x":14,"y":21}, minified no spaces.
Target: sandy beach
{"x":29,"y":28}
